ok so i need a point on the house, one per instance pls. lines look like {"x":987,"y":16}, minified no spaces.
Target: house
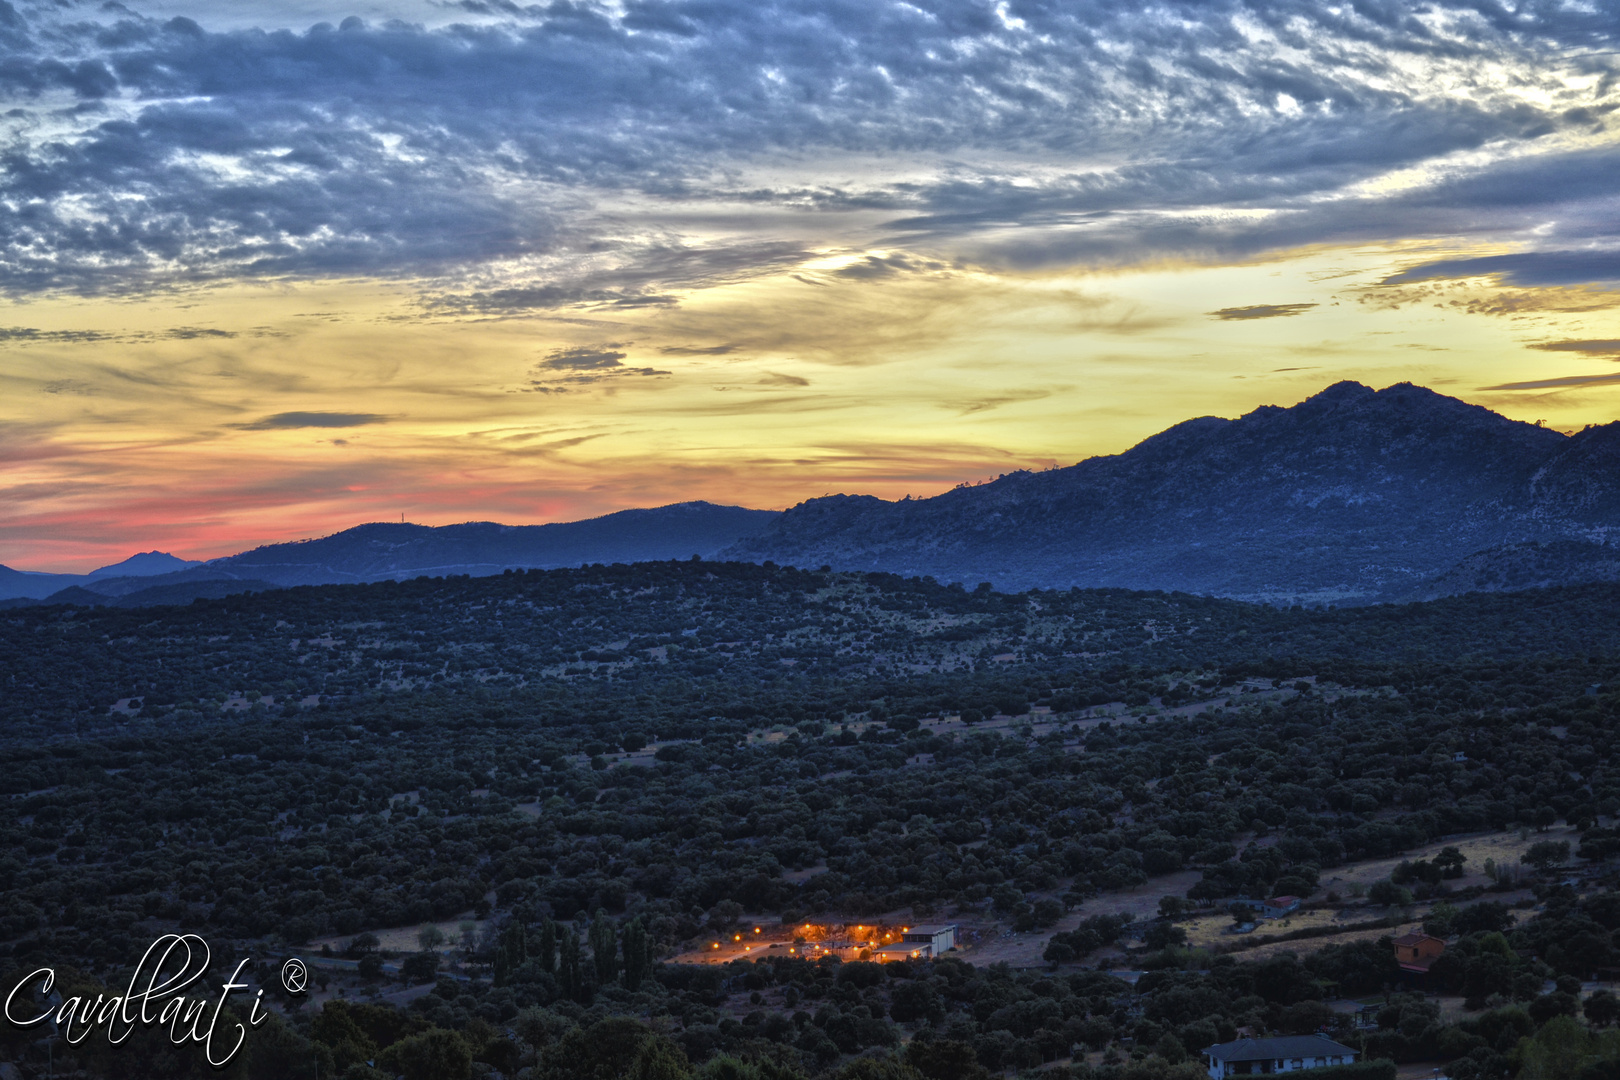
{"x":939,"y":937}
{"x":888,"y":954}
{"x":1276,"y":907}
{"x":1258,"y":1057}
{"x":1416,"y":951}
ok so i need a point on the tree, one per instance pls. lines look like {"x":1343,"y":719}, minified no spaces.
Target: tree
{"x":1059,"y":952}
{"x":890,"y":1068}
{"x":337,"y":1029}
{"x":1557,"y":1051}
{"x":914,"y":1000}
{"x":419,"y":966}
{"x":604,"y":949}
{"x":637,"y":961}
{"x":547,"y":948}
{"x":276,"y":1051}
{"x":659,"y":1059}
{"x":945,"y":1059}
{"x":1388,"y":894}
{"x":1450,"y":860}
{"x":1162,"y":935}
{"x":511,"y":950}
{"x":435,"y":1054}
{"x":1602,"y":1008}
{"x":607,"y":1050}
{"x":1545,"y":854}
{"x":569,"y":975}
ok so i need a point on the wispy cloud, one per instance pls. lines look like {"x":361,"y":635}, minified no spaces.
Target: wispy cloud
{"x":289,"y":420}
{"x":1528,"y":268}
{"x":1562,"y":383}
{"x":693,"y":350}
{"x":1260,"y":311}
{"x":1606,"y":347}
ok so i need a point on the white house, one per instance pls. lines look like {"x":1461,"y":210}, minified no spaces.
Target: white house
{"x":940,"y":937}
{"x":1291,"y":1053}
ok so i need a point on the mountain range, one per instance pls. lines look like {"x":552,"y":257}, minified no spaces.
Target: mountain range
{"x":1353,"y":496}
{"x":396,"y":550}
{"x":25,"y":583}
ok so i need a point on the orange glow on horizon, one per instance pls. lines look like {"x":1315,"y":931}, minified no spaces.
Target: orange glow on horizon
{"x":138,"y":439}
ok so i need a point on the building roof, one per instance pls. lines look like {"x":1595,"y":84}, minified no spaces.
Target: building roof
{"x":1289,"y":1046}
{"x":1282,"y":901}
{"x":932,"y":928}
{"x":1416,"y":937}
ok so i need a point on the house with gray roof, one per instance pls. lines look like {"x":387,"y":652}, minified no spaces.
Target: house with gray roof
{"x":1260,"y":1057}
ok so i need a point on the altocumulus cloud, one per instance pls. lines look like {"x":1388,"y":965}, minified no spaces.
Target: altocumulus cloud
{"x":144,"y":152}
{"x":583,"y":365}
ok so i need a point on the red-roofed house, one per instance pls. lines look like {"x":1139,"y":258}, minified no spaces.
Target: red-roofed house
{"x":1278,"y":906}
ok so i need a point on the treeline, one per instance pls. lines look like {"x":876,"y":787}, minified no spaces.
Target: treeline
{"x":767,"y":638}
{"x":787,"y":1018}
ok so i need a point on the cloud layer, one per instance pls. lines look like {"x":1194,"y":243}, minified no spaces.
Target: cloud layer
{"x":578,"y":153}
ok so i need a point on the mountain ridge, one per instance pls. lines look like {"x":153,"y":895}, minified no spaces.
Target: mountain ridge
{"x":379,"y":550}
{"x":1352,"y":496}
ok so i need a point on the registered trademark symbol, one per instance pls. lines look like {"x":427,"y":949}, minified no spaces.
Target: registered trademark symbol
{"x":294,"y":976}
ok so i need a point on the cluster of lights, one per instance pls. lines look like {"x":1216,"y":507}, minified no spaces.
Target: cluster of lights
{"x":810,"y":948}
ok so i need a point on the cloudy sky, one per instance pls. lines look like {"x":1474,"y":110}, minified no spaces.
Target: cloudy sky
{"x":268,"y":270}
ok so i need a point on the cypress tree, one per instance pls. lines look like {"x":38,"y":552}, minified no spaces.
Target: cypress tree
{"x":604,"y":948}
{"x":548,"y":946}
{"x":568,"y":973}
{"x":510,"y":954}
{"x":636,"y":959}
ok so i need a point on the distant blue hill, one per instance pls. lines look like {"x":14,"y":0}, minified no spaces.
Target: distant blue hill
{"x":387,"y":550}
{"x":23,"y":583}
{"x":146,"y":564}
{"x":29,"y":585}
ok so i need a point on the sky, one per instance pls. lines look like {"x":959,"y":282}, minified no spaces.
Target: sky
{"x":271,"y":270}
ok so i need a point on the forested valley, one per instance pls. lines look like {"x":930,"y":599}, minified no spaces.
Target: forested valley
{"x":502,"y":818}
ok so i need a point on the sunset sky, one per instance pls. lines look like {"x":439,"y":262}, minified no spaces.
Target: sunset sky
{"x":270,"y":270}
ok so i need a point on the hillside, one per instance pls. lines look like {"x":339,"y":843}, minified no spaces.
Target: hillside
{"x":1354,"y":495}
{"x":388,"y":551}
{"x":711,"y":763}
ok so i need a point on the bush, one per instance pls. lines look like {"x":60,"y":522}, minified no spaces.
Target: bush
{"x":1389,"y":894}
{"x":1361,"y":1070}
{"x":419,"y":967}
